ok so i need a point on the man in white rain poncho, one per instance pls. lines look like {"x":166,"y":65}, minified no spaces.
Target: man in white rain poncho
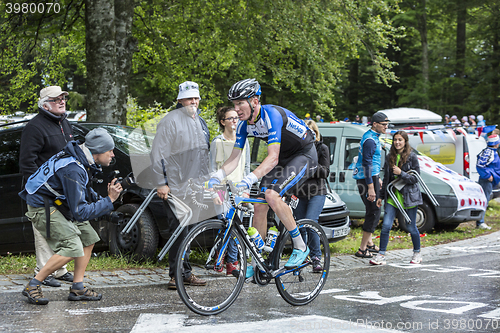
{"x":179,"y":153}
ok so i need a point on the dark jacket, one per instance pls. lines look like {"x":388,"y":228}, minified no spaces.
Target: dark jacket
{"x":411,"y":192}
{"x":44,"y":136}
{"x":71,"y":182}
{"x":315,"y":185}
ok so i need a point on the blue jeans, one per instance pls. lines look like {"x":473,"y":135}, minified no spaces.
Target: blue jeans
{"x":488,"y":190}
{"x":310,"y":209}
{"x":389,"y":216}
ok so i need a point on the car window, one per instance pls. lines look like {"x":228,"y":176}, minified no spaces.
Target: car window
{"x":330,"y":142}
{"x":351,"y":152}
{"x":127,"y":139}
{"x":9,"y":152}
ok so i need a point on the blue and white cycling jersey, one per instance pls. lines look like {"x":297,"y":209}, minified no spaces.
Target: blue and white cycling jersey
{"x":277,"y":125}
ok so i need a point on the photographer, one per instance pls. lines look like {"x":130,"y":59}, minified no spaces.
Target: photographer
{"x":60,"y":192}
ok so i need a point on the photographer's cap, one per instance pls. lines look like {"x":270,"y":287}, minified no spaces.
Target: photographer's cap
{"x":379,"y":117}
{"x":52,"y":91}
{"x":98,"y":141}
{"x":188,"y":89}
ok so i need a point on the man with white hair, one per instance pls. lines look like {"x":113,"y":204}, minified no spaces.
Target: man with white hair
{"x":45,"y":135}
{"x":180,"y":153}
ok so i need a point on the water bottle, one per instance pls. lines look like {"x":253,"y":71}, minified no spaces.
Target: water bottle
{"x":272,"y":235}
{"x":256,"y":238}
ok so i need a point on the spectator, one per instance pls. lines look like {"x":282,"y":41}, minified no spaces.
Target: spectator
{"x":488,"y":167}
{"x":357,"y":120}
{"x":366,"y":172}
{"x":319,"y":119}
{"x":312,"y":196}
{"x":61,"y":186}
{"x":480,"y":121}
{"x":455,"y":122}
{"x":182,"y":137}
{"x":472,"y":120}
{"x":447,"y":119}
{"x":398,"y":163}
{"x":364,"y":120}
{"x":220,"y":150}
{"x":44,"y":136}
{"x":308,"y":116}
{"x":346,"y":119}
{"x":464,"y":120}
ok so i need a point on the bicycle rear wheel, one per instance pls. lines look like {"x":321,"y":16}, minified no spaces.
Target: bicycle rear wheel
{"x":221,"y":290}
{"x":302,"y":285}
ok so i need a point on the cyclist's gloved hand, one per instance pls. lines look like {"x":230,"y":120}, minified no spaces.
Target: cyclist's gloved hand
{"x":217,"y":177}
{"x":210,"y":183}
{"x":247,"y":182}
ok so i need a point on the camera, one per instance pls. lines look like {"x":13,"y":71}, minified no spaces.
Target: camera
{"x":126,"y":182}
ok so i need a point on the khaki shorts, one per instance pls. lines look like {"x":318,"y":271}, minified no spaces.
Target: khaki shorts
{"x":67,"y":238}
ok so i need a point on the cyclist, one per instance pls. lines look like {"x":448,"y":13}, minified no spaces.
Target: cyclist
{"x":291,"y":159}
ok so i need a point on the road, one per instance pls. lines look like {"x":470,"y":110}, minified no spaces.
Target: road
{"x":458,"y":292}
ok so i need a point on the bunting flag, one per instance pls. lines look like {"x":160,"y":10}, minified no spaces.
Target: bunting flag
{"x":421,"y":134}
{"x":452,"y":134}
{"x":440,"y":134}
{"x":461,"y":130}
{"x":431,"y":135}
{"x":489,"y":129}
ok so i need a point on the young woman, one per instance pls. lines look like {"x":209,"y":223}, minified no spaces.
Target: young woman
{"x":398,"y":163}
{"x":312,"y":196}
{"x":220,"y":150}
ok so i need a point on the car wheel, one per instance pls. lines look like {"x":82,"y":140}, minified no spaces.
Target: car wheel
{"x":426,"y":219}
{"x":141,"y":242}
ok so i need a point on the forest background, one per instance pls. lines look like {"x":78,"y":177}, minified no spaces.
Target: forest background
{"x":122,"y":60}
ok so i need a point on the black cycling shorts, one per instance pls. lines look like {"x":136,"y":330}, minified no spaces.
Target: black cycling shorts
{"x":291,"y":172}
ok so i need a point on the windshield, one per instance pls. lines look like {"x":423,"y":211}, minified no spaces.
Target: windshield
{"x":128,"y":139}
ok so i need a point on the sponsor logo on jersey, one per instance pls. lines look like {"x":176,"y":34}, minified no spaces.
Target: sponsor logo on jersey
{"x":295,"y":127}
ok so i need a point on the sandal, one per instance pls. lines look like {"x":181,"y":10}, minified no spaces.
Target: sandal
{"x":373,"y":248}
{"x":363,"y":254}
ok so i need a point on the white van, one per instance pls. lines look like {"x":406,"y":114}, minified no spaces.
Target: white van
{"x":460,"y":199}
{"x":450,"y":146}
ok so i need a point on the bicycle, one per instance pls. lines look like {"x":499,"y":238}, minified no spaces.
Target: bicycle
{"x":207,"y":243}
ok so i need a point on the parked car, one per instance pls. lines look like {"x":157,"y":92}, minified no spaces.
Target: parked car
{"x":451,"y":146}
{"x":460,"y":199}
{"x":153,"y":228}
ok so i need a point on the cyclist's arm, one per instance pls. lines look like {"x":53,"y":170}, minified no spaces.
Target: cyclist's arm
{"x":273,"y":152}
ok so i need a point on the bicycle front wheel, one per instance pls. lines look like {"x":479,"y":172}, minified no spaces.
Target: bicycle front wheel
{"x":200,"y":248}
{"x":302,"y":285}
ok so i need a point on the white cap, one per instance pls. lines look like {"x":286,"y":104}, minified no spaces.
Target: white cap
{"x":188,"y":89}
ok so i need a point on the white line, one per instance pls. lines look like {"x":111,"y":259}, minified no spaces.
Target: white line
{"x":161,"y":323}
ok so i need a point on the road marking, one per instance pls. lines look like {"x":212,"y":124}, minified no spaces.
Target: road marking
{"x":466,"y":306}
{"x":119,"y":308}
{"x":162,"y":323}
{"x":372,"y":297}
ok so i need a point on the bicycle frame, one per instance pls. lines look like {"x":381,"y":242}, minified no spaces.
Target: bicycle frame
{"x":231,"y":217}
